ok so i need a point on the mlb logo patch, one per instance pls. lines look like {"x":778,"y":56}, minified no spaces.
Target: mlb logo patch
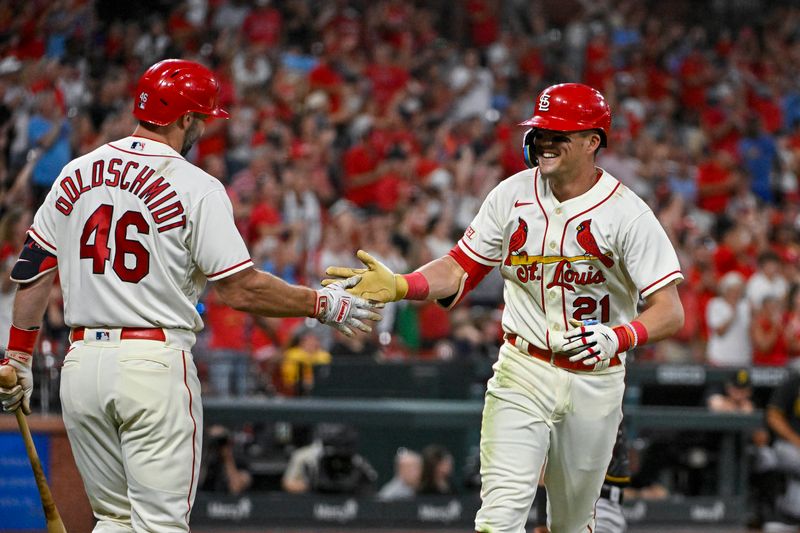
{"x":102,"y":336}
{"x":137,"y":145}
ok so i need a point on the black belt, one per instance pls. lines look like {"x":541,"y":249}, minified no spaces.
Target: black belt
{"x":612,"y":493}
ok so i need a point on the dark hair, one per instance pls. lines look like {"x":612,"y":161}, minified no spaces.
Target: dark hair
{"x":767,"y":256}
{"x":432,"y":456}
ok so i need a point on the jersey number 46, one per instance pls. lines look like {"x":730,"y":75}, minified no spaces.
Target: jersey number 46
{"x":94,"y":243}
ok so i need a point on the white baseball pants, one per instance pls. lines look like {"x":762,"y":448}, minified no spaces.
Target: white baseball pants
{"x":133,"y":415}
{"x":535,"y":412}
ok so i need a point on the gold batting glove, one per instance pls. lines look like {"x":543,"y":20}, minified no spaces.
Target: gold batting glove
{"x":378,"y":283}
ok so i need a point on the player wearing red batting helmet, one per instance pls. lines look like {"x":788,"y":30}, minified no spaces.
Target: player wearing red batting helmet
{"x":173,"y":87}
{"x":576,"y":250}
{"x":567,"y":107}
{"x":135,"y":231}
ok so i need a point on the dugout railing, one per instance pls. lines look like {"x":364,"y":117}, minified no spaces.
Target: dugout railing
{"x":386,"y":424}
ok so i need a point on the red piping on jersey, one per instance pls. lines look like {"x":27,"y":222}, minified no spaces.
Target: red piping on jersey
{"x":479,"y":255}
{"x":47,"y":243}
{"x":194,"y":437}
{"x":229,"y":268}
{"x":660,"y":280}
{"x":143,"y":154}
{"x":544,"y":239}
{"x":563,"y":236}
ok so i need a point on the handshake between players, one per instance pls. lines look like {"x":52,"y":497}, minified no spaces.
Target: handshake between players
{"x":590,"y":342}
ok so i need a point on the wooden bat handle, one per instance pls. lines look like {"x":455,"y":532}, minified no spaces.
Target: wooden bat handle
{"x":8,"y":378}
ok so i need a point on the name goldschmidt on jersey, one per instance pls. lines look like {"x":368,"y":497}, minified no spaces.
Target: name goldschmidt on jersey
{"x":155,"y":193}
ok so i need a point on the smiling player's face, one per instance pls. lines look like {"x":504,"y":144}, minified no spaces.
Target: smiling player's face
{"x":561,"y":154}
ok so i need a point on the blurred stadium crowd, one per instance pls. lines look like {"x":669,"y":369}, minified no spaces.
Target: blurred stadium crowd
{"x":382,"y":124}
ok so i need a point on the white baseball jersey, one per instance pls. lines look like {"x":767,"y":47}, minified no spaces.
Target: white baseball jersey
{"x":137,"y":231}
{"x":588,"y":257}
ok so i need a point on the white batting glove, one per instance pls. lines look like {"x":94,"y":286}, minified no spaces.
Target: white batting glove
{"x":19,"y":395}
{"x":343,"y":311}
{"x":592,"y":342}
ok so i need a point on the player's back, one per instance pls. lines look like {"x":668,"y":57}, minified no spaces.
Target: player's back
{"x":125,"y":222}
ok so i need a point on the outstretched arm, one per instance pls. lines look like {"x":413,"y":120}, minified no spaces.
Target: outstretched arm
{"x":440,"y":279}
{"x":258,"y":292}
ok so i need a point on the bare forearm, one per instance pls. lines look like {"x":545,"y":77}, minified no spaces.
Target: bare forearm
{"x":254,"y":291}
{"x":443,"y":276}
{"x":777,"y":422}
{"x":50,"y":137}
{"x":30,"y":302}
{"x":664,"y":314}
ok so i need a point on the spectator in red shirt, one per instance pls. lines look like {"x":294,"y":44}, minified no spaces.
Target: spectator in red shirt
{"x":262,"y":26}
{"x":483,"y":24}
{"x":386,"y":77}
{"x":598,"y":70}
{"x":724,"y":121}
{"x":695,"y":73}
{"x":767,"y":333}
{"x":716,"y":183}
{"x":229,"y":359}
{"x":792,"y":325}
{"x":364,"y":168}
{"x":734,"y":250}
{"x":266,"y":222}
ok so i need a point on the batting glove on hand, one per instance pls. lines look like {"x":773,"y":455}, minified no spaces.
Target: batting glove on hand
{"x":19,"y":395}
{"x":378,"y":283}
{"x":592,"y":342}
{"x":342,"y":310}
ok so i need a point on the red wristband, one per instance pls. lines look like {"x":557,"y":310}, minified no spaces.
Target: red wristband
{"x":22,"y":340}
{"x":630,"y":335}
{"x":641,"y":332}
{"x":418,"y":288}
{"x":624,"y":338}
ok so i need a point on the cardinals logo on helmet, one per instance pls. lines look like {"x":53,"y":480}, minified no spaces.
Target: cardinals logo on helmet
{"x":517,"y":240}
{"x":587,"y":241}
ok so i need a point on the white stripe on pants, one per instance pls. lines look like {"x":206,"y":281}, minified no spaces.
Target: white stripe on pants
{"x":535,"y":411}
{"x":133,"y":415}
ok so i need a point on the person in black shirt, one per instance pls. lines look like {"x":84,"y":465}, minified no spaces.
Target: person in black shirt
{"x":783,"y":419}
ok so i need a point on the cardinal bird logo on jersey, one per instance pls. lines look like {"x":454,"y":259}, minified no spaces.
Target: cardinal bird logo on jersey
{"x":589,"y":245}
{"x":517,"y":240}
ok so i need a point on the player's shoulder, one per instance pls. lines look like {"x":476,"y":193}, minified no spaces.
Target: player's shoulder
{"x":517,"y":185}
{"x":625,"y":202}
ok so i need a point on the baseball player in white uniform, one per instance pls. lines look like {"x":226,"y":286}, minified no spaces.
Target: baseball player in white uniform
{"x":576,"y":249}
{"x":134,"y":231}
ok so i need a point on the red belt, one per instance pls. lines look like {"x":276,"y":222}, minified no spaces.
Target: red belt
{"x":142,"y":334}
{"x":561,"y":361}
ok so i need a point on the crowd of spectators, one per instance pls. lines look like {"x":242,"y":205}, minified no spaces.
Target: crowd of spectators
{"x":383,"y":124}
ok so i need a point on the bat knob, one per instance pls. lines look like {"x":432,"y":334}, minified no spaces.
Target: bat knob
{"x":8,"y":376}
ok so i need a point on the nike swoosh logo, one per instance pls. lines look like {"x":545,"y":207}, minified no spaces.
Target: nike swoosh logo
{"x":520,"y":204}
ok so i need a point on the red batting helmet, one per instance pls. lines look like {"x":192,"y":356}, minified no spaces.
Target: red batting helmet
{"x":567,"y":107}
{"x":173,"y":87}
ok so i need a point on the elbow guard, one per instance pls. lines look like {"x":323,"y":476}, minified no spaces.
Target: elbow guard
{"x":34,"y":262}
{"x":474,"y":272}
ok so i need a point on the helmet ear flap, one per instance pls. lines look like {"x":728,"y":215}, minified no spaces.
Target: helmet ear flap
{"x":528,"y":150}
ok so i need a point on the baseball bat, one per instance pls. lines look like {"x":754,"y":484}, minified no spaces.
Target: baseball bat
{"x":8,"y":378}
